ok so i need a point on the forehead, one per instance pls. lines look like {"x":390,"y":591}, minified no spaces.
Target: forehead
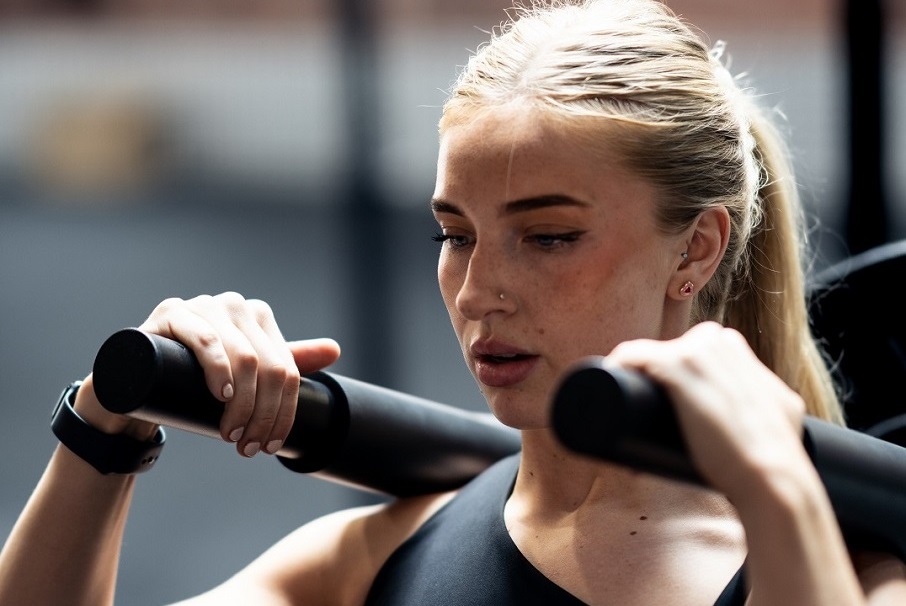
{"x":514,"y":153}
{"x":514,"y":136}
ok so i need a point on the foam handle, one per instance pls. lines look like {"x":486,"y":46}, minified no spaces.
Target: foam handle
{"x":345,"y":430}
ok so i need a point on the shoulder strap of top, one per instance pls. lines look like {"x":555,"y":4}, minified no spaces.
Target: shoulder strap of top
{"x":736,"y":592}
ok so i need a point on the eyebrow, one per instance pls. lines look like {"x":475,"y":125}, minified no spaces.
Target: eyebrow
{"x":515,"y":206}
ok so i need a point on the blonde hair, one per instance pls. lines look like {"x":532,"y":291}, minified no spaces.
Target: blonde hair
{"x":632,"y":74}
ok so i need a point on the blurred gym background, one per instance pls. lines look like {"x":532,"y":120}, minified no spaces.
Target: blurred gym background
{"x":285,"y":149}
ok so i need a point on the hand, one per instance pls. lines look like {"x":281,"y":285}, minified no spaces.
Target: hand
{"x":247,"y":365}
{"x":743,"y":428}
{"x":740,"y":421}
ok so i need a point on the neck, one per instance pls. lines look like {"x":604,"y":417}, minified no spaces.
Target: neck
{"x":554,"y":482}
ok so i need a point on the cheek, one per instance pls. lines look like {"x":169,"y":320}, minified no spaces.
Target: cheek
{"x":583,"y":286}
{"x":449,"y":279}
{"x":630,"y":305}
{"x":600,"y":304}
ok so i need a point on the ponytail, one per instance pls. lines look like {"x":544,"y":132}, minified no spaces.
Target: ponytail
{"x":768,"y":299}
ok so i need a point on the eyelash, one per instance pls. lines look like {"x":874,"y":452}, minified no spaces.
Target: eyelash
{"x":448,"y":238}
{"x":556,"y":241}
{"x":553,"y":241}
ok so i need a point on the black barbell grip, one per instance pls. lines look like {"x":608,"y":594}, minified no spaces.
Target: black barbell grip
{"x":621,"y":416}
{"x":345,"y":430}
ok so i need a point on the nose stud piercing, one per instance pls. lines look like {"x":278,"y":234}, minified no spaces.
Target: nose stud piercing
{"x":502,"y":297}
{"x":687,"y":288}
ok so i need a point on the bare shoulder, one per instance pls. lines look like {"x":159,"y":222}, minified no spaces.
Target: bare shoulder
{"x":331,"y":561}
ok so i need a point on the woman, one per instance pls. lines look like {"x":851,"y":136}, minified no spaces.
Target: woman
{"x":603,"y":187}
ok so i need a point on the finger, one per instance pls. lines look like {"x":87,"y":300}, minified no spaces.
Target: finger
{"x":314,"y":354}
{"x":732,"y":408}
{"x":266,"y":368}
{"x":286,"y":410}
{"x":205,"y":325}
{"x":174,"y":319}
{"x":309,"y":355}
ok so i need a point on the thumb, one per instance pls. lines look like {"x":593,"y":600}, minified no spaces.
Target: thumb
{"x":314,"y":354}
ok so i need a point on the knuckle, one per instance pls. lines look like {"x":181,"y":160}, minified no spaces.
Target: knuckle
{"x":230,"y":295}
{"x":276,"y":372}
{"x":201,"y":300}
{"x":281,"y":376}
{"x":292,"y":379}
{"x":265,"y":418}
{"x":261,"y":310}
{"x":688,"y":357}
{"x":208,"y":339}
{"x":231,"y":300}
{"x":167,"y":306}
{"x":245,"y":360}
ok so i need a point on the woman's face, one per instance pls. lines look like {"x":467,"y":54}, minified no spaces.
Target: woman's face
{"x":568,"y":240}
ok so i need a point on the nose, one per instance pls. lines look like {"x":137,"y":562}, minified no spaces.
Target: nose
{"x":483,"y":289}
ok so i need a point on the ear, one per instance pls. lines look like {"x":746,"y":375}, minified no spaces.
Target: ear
{"x":706,"y":241}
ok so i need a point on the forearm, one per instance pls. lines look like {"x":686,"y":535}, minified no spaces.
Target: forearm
{"x":65,"y":546}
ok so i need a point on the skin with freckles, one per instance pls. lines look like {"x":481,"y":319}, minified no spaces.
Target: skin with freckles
{"x":570,"y":240}
{"x":604,"y":187}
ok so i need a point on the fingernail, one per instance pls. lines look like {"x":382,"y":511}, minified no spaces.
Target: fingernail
{"x":273,"y":446}
{"x":227,"y":391}
{"x":236,"y":434}
{"x":251,"y":449}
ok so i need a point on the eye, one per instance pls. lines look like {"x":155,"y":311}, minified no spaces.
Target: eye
{"x":554,"y":241}
{"x":452,"y":240}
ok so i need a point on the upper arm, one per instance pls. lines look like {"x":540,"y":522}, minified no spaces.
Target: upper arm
{"x":330,"y":561}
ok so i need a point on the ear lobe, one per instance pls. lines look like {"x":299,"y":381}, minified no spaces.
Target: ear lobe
{"x":706,"y":244}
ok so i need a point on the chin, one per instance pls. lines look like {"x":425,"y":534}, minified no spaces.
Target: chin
{"x":519,"y":412}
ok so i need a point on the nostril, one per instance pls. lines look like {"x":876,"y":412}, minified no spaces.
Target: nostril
{"x":475,"y":303}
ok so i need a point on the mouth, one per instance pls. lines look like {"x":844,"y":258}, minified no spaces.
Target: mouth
{"x":497,"y":365}
{"x":501,"y":358}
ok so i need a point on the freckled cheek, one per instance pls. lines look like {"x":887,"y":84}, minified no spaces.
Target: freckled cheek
{"x":449,"y":279}
{"x":553,"y":299}
{"x":573,"y":289}
{"x":581,"y":307}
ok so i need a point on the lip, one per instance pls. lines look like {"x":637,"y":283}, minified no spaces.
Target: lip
{"x":498,"y":364}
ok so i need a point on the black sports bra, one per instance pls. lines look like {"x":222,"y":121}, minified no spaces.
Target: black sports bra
{"x":463,"y":556}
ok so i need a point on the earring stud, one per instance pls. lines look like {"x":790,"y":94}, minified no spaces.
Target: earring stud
{"x":684,"y":255}
{"x":687,"y":288}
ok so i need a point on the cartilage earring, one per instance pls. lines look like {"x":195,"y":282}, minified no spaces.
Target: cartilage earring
{"x":687,"y":288}
{"x":684,"y":255}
